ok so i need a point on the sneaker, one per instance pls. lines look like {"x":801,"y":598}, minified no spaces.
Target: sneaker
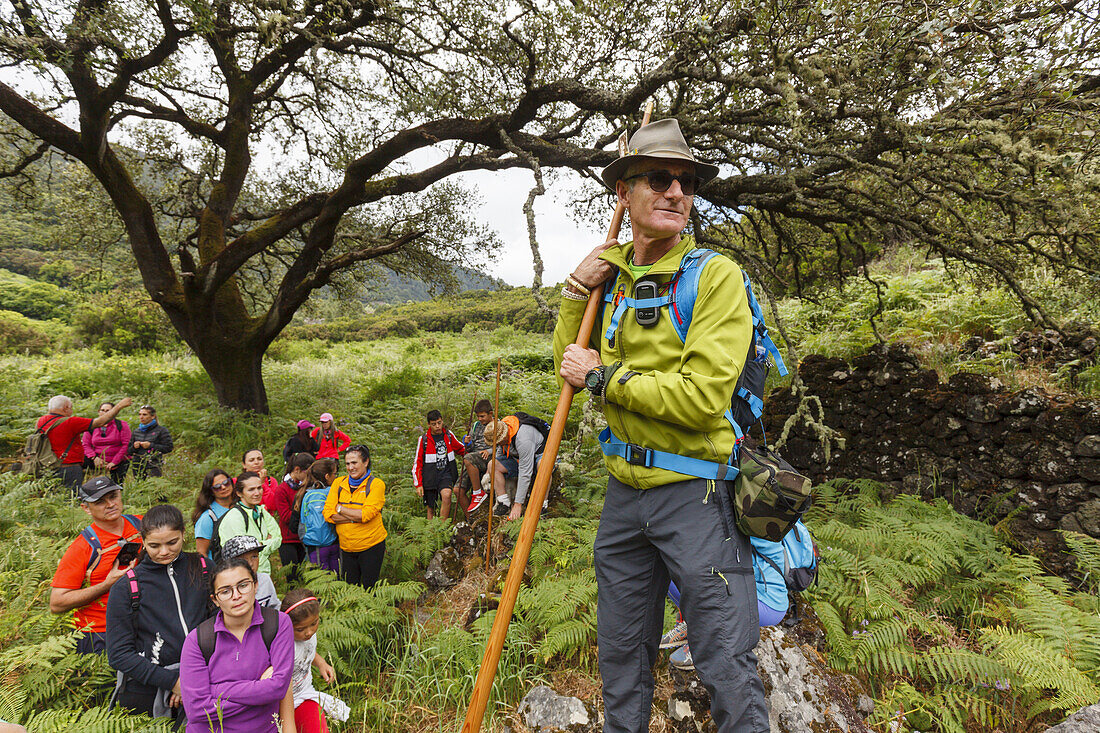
{"x":501,"y":509}
{"x":681,"y":658}
{"x":476,"y":500}
{"x":677,"y":636}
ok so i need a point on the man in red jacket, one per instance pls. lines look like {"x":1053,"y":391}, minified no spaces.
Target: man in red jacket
{"x":435,"y":470}
{"x":332,"y":442}
{"x":64,"y":431}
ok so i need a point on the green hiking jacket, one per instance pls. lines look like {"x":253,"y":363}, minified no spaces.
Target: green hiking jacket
{"x":676,"y":401}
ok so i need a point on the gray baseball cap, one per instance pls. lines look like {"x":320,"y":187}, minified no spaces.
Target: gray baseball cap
{"x":97,"y":488}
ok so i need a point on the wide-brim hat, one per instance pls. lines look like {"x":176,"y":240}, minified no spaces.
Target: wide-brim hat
{"x":660,"y":139}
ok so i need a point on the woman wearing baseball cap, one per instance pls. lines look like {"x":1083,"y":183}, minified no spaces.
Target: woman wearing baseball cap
{"x":331,"y":442}
{"x":300,"y":442}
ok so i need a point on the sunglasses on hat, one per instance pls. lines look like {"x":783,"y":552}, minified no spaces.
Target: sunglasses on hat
{"x":660,"y":180}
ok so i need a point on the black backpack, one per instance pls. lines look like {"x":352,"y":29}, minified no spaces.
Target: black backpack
{"x":208,"y":639}
{"x":215,"y":535}
{"x":536,"y":422}
{"x":135,"y":590}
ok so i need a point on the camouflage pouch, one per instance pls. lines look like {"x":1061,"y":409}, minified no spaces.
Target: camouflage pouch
{"x":769,"y":495}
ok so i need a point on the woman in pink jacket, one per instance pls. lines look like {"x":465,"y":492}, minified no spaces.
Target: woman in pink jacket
{"x":107,"y":448}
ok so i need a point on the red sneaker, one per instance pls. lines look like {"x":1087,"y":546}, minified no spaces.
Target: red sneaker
{"x":476,"y":500}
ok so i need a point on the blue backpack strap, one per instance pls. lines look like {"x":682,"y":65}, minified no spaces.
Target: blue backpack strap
{"x":133,"y":521}
{"x":761,"y":328}
{"x":636,"y":455}
{"x":89,"y":535}
{"x":685,"y":288}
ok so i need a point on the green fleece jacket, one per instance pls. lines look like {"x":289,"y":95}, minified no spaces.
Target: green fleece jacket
{"x":676,"y":401}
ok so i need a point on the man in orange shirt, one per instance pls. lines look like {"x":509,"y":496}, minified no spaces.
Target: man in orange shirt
{"x":92,"y":563}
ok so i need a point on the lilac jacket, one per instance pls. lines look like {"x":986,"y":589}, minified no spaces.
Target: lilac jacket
{"x":114,"y":446}
{"x":228,"y":696}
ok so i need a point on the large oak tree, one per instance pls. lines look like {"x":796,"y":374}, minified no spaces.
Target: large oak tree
{"x":318,"y":135}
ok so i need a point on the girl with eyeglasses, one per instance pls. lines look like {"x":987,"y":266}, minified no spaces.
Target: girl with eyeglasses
{"x":107,"y":448}
{"x":236,"y":668}
{"x":214,"y":499}
{"x":151,"y":610}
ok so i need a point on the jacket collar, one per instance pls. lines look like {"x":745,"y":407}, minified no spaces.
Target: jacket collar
{"x":668,"y":264}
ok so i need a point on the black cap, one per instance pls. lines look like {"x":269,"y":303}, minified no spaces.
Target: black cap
{"x":97,"y":488}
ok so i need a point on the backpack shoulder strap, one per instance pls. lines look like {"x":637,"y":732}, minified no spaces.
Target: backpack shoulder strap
{"x":135,"y":591}
{"x":133,"y":521}
{"x":207,"y":638}
{"x":685,"y":288}
{"x":270,"y":626}
{"x":89,"y":535}
{"x":57,"y":420}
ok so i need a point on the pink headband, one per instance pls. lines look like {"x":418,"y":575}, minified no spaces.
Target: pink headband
{"x":304,"y":600}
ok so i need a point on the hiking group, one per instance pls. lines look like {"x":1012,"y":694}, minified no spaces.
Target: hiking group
{"x":694,"y":510}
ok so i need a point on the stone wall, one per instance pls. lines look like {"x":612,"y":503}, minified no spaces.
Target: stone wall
{"x":991,"y":453}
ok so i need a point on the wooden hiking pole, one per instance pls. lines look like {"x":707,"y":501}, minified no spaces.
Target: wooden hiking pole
{"x":488,"y":671}
{"x":493,"y":475}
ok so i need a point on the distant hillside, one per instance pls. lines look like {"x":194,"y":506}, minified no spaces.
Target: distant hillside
{"x":401,"y":289}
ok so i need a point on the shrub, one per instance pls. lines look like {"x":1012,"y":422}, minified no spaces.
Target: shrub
{"x":123,"y":323}
{"x":34,"y":299}
{"x":21,"y":335}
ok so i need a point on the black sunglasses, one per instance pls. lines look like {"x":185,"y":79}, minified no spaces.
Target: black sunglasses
{"x":659,"y":181}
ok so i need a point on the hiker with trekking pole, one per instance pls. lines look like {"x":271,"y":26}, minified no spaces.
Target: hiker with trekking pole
{"x":665,"y":389}
{"x":672,"y":342}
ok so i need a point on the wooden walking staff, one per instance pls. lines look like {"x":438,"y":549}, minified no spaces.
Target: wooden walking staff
{"x":485,"y":675}
{"x":492,"y":471}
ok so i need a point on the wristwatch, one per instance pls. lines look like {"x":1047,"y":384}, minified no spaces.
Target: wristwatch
{"x":593,"y":381}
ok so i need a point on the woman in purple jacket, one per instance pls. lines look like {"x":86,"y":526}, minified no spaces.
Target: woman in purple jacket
{"x":235,"y":669}
{"x":107,"y":448}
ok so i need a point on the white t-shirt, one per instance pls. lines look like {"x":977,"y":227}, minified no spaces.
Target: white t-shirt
{"x":302,"y":682}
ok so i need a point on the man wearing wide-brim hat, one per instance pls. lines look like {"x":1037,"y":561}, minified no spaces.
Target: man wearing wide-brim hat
{"x":663,"y":396}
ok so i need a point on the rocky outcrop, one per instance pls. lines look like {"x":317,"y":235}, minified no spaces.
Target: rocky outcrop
{"x":466,"y":550}
{"x":803,"y":693}
{"x":545,"y":711}
{"x":1085,"y":720}
{"x":990,"y":452}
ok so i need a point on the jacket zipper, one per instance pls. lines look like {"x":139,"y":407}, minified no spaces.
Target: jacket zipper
{"x":179,"y":605}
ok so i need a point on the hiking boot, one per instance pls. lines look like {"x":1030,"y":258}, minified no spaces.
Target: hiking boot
{"x":676,"y":637}
{"x":681,"y":658}
{"x":501,"y":509}
{"x":476,"y":500}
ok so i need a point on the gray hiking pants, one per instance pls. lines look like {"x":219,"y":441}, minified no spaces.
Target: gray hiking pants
{"x":679,"y":530}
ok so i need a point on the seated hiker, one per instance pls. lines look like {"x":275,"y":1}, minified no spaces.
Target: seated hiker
{"x":318,"y":534}
{"x":248,"y":516}
{"x":236,"y":667}
{"x":476,"y":460}
{"x":98,"y":557}
{"x":63,"y":430}
{"x":150,"y":613}
{"x":519,"y":449}
{"x":149,"y":442}
{"x":214,"y":499}
{"x":279,"y":502}
{"x":330,"y":441}
{"x":354,"y":505}
{"x":248,"y":548}
{"x":107,"y":448}
{"x":300,"y":442}
{"x":435,"y":471}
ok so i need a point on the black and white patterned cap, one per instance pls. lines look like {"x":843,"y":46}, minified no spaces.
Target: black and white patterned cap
{"x":239,"y":545}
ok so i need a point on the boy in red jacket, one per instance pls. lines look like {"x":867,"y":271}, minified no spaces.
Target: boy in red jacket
{"x":435,"y":470}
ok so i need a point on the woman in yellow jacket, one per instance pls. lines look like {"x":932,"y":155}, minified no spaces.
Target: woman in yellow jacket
{"x":354,"y":505}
